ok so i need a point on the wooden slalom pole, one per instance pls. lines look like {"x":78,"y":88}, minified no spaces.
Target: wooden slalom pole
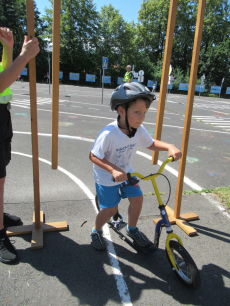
{"x":38,"y":226}
{"x":165,"y":73}
{"x":55,"y":80}
{"x":175,"y":216}
{"x":33,"y":111}
{"x":190,"y":99}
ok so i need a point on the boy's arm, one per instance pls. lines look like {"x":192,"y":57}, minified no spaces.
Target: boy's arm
{"x":29,"y":50}
{"x":118,"y":174}
{"x":163,"y":146}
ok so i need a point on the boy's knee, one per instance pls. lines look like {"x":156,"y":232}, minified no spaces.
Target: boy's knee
{"x":113,"y":210}
{"x":137,"y":200}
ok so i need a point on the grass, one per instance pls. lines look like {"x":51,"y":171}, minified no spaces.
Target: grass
{"x":222,"y":193}
{"x":152,"y":193}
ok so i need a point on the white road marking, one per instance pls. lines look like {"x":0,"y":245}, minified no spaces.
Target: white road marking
{"x":219,"y":122}
{"x":107,"y":118}
{"x":121,"y":284}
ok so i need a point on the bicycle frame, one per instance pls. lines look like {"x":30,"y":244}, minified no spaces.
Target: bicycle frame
{"x":164,"y":217}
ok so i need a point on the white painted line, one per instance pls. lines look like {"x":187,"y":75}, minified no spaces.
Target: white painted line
{"x":25,"y":102}
{"x":170,"y":169}
{"x":107,"y":118}
{"x":187,"y":181}
{"x":215,"y":121}
{"x":93,"y":108}
{"x":121,"y":284}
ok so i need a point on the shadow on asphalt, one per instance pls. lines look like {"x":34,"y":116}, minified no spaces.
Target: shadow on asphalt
{"x":211,"y":232}
{"x":87,"y":274}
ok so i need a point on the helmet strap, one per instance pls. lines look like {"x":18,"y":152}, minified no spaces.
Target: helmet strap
{"x":133,"y":131}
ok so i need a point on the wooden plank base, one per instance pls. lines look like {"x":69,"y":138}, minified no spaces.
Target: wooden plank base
{"x":181,"y":221}
{"x":37,"y":234}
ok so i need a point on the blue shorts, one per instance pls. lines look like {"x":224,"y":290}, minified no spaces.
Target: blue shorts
{"x":110,"y":196}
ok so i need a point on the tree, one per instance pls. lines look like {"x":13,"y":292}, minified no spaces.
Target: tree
{"x":116,"y":41}
{"x":78,"y":35}
{"x":152,"y":28}
{"x":13,"y":16}
{"x":214,"y":55}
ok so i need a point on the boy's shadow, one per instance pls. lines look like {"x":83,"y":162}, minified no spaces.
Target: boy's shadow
{"x":87,"y":273}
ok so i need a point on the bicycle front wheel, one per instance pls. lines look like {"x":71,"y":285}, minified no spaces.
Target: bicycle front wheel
{"x":187,"y":271}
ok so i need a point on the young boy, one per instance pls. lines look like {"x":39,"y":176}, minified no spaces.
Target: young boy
{"x":112,"y":154}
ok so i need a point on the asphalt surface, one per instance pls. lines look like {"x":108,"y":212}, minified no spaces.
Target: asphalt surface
{"x":68,"y":270}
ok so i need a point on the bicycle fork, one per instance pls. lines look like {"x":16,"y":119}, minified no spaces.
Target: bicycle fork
{"x":170,"y":235}
{"x":164,"y":221}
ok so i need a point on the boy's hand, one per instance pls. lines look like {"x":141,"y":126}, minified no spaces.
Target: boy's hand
{"x":173,"y":151}
{"x":30,"y":48}
{"x":119,"y":176}
{"x":6,"y":38}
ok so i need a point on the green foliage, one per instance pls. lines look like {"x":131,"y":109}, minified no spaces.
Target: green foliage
{"x":13,"y":16}
{"x":86,"y":36}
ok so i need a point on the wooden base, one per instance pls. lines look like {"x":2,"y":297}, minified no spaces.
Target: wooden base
{"x":37,"y":234}
{"x":181,"y":222}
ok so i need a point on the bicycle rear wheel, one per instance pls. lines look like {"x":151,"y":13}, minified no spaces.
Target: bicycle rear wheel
{"x":187,"y":271}
{"x":97,"y":203}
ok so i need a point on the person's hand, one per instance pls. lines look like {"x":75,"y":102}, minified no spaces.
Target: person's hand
{"x":6,"y":38}
{"x":119,"y":176}
{"x":30,"y":48}
{"x":173,"y":151}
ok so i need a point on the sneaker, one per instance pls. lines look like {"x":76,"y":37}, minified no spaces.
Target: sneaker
{"x":7,"y":251}
{"x":138,"y":237}
{"x":98,"y":241}
{"x":10,"y":220}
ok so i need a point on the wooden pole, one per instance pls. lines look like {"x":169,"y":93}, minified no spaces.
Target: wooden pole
{"x":165,"y":73}
{"x":55,"y":80}
{"x":33,"y":111}
{"x":188,"y":114}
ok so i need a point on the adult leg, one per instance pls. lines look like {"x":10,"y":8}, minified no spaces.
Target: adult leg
{"x":7,"y":251}
{"x":2,"y":183}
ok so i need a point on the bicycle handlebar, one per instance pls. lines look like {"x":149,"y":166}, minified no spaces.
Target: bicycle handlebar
{"x":149,"y":177}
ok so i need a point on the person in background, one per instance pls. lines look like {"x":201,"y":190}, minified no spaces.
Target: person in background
{"x":128,"y":77}
{"x":9,"y":72}
{"x":154,"y":88}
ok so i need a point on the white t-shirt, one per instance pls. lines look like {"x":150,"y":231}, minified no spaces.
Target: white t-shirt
{"x":118,"y":149}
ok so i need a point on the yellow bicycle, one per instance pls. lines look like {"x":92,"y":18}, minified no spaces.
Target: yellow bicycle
{"x":180,"y":260}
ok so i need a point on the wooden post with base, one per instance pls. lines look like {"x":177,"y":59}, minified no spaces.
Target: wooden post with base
{"x":38,"y":226}
{"x":165,"y":73}
{"x":175,"y":216}
{"x":55,"y":80}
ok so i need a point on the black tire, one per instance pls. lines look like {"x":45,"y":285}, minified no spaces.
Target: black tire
{"x":97,"y":203}
{"x":188,"y":273}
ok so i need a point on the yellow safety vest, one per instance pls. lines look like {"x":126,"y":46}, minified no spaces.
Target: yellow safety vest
{"x":6,"y":95}
{"x":126,"y":77}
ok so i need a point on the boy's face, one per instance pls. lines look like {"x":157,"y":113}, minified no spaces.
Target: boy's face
{"x":136,"y":113}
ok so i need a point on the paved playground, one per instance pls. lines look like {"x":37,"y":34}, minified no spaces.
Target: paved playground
{"x":68,"y":270}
